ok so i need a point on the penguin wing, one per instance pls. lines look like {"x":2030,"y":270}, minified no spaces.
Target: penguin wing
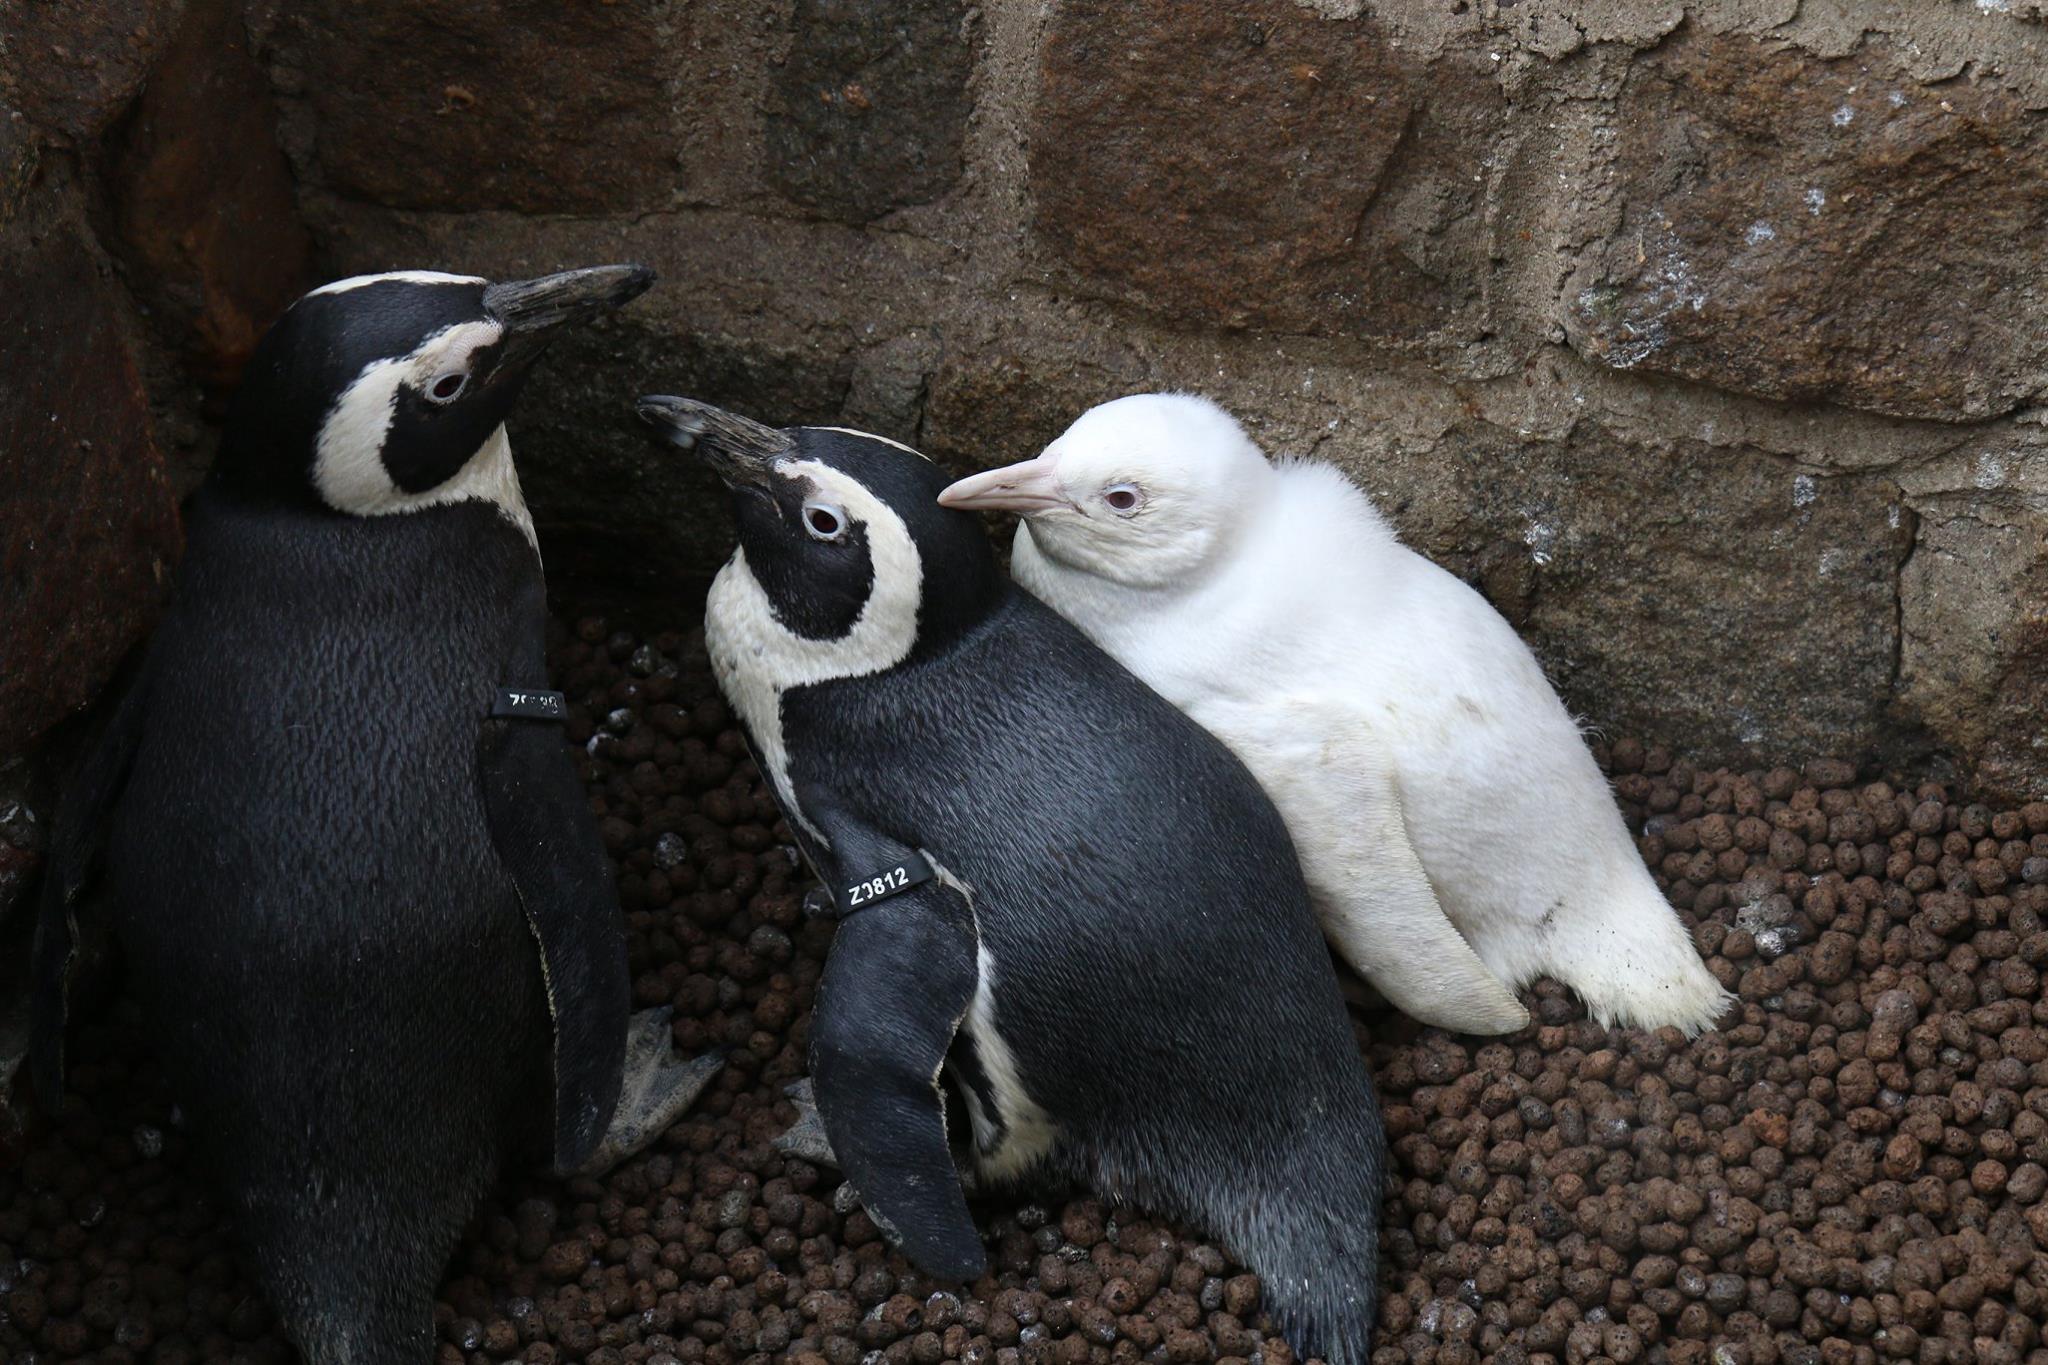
{"x":900,"y":979}
{"x":1333,"y":779}
{"x":548,"y":844}
{"x":77,"y":841}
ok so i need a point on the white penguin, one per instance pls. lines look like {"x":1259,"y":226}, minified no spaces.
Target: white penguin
{"x":1409,"y":738}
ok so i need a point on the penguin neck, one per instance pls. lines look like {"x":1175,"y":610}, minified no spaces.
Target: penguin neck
{"x":250,"y":474}
{"x":320,"y":560}
{"x":756,"y":657}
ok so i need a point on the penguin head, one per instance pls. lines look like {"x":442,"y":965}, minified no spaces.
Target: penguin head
{"x":1144,"y":491}
{"x":388,"y":393}
{"x":846,"y":563}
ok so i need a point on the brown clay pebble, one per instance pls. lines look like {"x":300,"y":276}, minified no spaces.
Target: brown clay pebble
{"x":1853,"y":1170}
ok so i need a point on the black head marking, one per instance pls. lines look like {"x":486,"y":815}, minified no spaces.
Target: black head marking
{"x":308,"y":360}
{"x":961,"y":581}
{"x":818,"y":585}
{"x":408,"y":375}
{"x":819,"y":591}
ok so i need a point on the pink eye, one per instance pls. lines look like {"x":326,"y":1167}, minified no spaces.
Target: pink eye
{"x":446,"y":388}
{"x":1122,"y":497}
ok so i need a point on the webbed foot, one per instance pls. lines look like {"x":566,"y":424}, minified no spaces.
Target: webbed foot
{"x":805,"y":1139}
{"x":657,"y":1090}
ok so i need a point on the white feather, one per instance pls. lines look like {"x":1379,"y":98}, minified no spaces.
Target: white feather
{"x":396,"y":276}
{"x":870,"y":436}
{"x":348,"y":462}
{"x":757,"y":658}
{"x":1248,"y":588}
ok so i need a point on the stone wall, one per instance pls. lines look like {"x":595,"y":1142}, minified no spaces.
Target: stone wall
{"x":1709,"y":339}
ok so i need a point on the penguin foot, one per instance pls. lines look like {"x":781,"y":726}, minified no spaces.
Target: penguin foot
{"x":656,"y":1091}
{"x":806,"y":1138}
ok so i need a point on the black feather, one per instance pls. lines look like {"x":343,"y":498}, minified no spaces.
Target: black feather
{"x":334,"y":957}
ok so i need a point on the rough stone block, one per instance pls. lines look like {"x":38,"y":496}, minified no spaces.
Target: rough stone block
{"x":992,"y":400}
{"x":88,"y":527}
{"x":868,"y":112}
{"x":72,"y":68}
{"x":614,"y":509}
{"x":539,"y":106}
{"x":205,"y":213}
{"x":1973,"y":666}
{"x":1809,"y":228}
{"x":1716,"y":598}
{"x":1249,"y":163}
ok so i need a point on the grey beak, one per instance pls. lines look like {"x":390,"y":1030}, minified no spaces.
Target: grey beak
{"x":535,"y":308}
{"x":738,"y":449}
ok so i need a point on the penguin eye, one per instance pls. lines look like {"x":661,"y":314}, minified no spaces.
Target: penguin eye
{"x":824,"y":521}
{"x":1123,"y":498}
{"x":448,"y":387}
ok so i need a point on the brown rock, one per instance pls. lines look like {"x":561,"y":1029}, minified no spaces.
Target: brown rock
{"x":1890,"y":1017}
{"x":990,"y":404}
{"x":868,"y":113}
{"x":1810,"y":228}
{"x":88,"y":528}
{"x":203,"y":199}
{"x":1629,"y":607}
{"x":20,"y":152}
{"x":1973,"y":663}
{"x":72,"y":69}
{"x":461,"y":104}
{"x":1249,"y":163}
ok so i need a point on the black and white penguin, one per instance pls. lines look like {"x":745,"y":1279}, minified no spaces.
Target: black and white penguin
{"x":332,"y":832}
{"x":1054,"y":887}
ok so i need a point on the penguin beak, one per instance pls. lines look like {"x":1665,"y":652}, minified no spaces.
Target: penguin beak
{"x":1029,"y":487}
{"x":531,"y":311}
{"x":739,"y":450}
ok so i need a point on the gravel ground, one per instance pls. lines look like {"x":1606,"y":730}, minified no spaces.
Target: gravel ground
{"x":1851,"y":1169}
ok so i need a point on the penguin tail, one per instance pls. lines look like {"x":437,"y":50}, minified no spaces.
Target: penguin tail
{"x":1632,"y":959}
{"x":1296,"y":1199}
{"x":1318,"y":1277}
{"x":349,"y":1258}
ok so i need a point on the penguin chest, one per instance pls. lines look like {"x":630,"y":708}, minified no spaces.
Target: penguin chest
{"x":737,"y":641}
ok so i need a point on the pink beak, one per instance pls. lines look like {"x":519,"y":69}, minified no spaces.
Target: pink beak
{"x":1027,"y":487}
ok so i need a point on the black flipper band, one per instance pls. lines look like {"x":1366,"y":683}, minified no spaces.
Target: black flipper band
{"x":862,"y":892}
{"x":528,"y":703}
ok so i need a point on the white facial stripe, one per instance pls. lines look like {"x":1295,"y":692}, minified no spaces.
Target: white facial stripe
{"x":757,"y":658}
{"x":869,"y":435}
{"x":397,"y":276}
{"x":348,"y":460}
{"x":489,"y":476}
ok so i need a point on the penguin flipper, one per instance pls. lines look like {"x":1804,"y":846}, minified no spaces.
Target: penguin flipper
{"x":1334,"y":783}
{"x":900,"y":979}
{"x":541,"y":827}
{"x":78,"y":838}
